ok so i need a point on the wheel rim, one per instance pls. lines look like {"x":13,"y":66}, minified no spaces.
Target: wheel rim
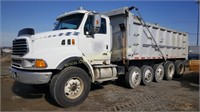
{"x":159,"y":73}
{"x":171,"y":71}
{"x":148,"y":75}
{"x":181,"y":69}
{"x":73,"y":87}
{"x":136,"y":78}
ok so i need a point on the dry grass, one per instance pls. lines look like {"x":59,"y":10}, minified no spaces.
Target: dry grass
{"x":5,"y":58}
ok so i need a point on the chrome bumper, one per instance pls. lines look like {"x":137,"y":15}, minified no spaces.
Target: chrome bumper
{"x":30,"y":77}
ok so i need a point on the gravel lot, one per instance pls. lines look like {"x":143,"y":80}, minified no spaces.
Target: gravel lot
{"x":177,"y":95}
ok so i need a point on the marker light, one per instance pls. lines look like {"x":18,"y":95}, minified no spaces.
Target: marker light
{"x":97,"y":22}
{"x":73,"y":41}
{"x":39,"y":63}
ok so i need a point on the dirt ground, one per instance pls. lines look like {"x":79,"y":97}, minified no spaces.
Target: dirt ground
{"x":180,"y":94}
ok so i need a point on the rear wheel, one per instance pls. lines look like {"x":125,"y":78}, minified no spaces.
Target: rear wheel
{"x":179,"y":65}
{"x":71,"y":87}
{"x":133,"y":77}
{"x":169,"y":69}
{"x":158,"y":72}
{"x":147,"y":74}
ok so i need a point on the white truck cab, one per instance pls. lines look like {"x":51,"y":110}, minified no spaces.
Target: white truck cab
{"x":72,"y":37}
{"x":87,"y":47}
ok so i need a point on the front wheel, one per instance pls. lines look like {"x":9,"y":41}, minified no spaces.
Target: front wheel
{"x":71,"y":87}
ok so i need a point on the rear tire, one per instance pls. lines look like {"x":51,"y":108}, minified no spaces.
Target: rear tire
{"x":133,"y":77}
{"x":147,"y":74}
{"x":71,"y":87}
{"x":169,"y":69}
{"x":158,"y":72}
{"x":180,"y":68}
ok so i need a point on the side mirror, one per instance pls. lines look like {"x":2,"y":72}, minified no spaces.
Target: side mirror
{"x":97,"y":22}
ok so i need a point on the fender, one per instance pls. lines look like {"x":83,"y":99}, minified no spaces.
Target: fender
{"x":76,"y":61}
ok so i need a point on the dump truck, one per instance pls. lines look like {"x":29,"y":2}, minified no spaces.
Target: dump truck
{"x":87,"y":47}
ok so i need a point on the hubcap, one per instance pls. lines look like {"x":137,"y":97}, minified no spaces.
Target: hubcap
{"x":181,"y":69}
{"x":148,"y":75}
{"x":136,"y":78}
{"x":73,"y":87}
{"x":159,"y":73}
{"x":171,"y":71}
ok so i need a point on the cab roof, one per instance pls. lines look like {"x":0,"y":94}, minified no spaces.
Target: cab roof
{"x":70,"y":13}
{"x":78,"y":11}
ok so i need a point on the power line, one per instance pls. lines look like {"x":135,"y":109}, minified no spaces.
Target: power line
{"x":198,"y":3}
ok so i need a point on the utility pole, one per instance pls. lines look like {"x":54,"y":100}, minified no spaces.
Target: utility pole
{"x":198,"y":3}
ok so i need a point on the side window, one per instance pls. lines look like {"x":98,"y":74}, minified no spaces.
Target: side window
{"x":103,"y":26}
{"x":88,"y":25}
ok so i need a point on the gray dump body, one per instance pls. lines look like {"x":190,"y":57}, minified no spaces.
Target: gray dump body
{"x":139,"y":44}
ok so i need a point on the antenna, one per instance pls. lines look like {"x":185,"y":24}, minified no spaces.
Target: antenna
{"x":80,"y":8}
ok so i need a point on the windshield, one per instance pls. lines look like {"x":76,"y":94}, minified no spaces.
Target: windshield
{"x":69,"y":22}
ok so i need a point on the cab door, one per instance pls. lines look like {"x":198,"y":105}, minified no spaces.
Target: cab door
{"x":96,"y":47}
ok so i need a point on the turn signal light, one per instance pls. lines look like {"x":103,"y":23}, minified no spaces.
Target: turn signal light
{"x":97,"y":22}
{"x":39,"y":63}
{"x":73,"y":41}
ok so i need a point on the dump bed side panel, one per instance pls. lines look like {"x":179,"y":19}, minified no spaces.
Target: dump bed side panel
{"x":139,"y":43}
{"x":173,"y":44}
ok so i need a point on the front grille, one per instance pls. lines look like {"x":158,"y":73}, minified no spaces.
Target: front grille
{"x":19,"y":47}
{"x":16,"y":62}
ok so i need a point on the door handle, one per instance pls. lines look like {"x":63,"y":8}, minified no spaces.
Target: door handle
{"x":105,"y":53}
{"x":107,"y":47}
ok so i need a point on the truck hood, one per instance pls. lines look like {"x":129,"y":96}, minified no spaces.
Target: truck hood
{"x":54,"y":34}
{"x":45,"y":41}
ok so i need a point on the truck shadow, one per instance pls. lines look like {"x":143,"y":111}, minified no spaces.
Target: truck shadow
{"x":189,"y":80}
{"x":29,"y":92}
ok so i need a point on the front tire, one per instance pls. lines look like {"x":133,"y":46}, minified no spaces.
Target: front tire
{"x":71,"y":87}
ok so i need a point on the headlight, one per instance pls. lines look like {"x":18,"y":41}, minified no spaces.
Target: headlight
{"x":28,"y":63}
{"x":34,"y":63}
